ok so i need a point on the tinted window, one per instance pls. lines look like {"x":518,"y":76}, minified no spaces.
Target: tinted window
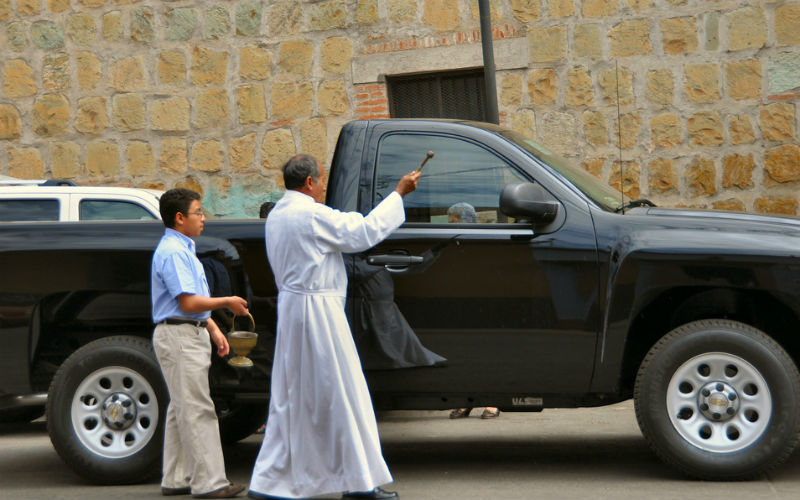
{"x":113,"y":210}
{"x":28,"y":210}
{"x":460,"y":172}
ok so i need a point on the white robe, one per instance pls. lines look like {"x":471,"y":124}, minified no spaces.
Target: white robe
{"x":321,"y":435}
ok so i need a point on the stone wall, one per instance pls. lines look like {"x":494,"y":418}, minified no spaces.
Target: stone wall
{"x":215,"y":95}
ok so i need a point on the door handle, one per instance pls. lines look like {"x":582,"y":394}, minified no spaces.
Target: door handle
{"x":394,"y":260}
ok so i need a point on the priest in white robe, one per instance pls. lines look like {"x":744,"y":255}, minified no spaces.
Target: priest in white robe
{"x":321,"y":435}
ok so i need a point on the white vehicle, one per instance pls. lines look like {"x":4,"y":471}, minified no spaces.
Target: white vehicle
{"x":58,"y":200}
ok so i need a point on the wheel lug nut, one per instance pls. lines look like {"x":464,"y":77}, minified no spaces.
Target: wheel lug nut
{"x":126,"y":403}
{"x":706,"y":392}
{"x":732,"y":396}
{"x":128,"y":416}
{"x":720,"y":387}
{"x":730,"y":411}
{"x":704,"y":407}
{"x":716,"y":416}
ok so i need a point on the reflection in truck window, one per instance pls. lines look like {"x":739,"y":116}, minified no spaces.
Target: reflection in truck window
{"x":113,"y":210}
{"x":461,"y":171}
{"x":28,"y":210}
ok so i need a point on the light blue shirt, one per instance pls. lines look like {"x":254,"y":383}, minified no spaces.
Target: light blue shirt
{"x":176,"y":270}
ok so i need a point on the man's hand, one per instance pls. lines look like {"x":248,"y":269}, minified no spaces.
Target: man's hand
{"x":408,"y":183}
{"x":218,"y":338}
{"x":237,"y":305}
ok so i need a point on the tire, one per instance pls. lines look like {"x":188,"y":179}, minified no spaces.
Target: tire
{"x":105,"y":411}
{"x":239,"y":420}
{"x":719,"y":400}
{"x":21,"y":415}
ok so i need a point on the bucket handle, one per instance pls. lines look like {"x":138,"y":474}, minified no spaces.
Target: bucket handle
{"x":252,"y":321}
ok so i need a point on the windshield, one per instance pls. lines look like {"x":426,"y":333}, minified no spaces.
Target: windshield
{"x":602,"y":194}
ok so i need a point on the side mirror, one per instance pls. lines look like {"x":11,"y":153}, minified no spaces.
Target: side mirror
{"x":527,"y":200}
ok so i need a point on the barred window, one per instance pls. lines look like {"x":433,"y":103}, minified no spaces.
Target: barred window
{"x":450,"y":94}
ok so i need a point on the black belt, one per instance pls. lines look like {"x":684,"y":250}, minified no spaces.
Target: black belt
{"x":193,"y":322}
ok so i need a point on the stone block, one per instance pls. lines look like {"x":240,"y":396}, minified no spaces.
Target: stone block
{"x":207,"y":156}
{"x":737,"y":171}
{"x":666,"y":130}
{"x":29,"y":7}
{"x":661,"y":176}
{"x":55,"y":72}
{"x":594,"y":166}
{"x":441,"y":15}
{"x":102,"y":159}
{"x":127,"y":74}
{"x":181,"y":23}
{"x":594,"y":125}
{"x":276,"y":148}
{"x":740,"y":130}
{"x":679,"y":35}
{"x":10,"y":123}
{"x":612,"y":82}
{"x":91,"y":117}
{"x":129,"y":112}
{"x":639,"y":5}
{"x":630,"y":38}
{"x":46,"y":35}
{"x":17,"y":36}
{"x":209,"y":67}
{"x":18,"y":79}
{"x":25,"y":163}
{"x":404,"y":12}
{"x":701,"y":83}
{"x":332,"y":98}
{"x":243,"y":153}
{"x":141,"y":161}
{"x":599,"y":8}
{"x":252,"y":105}
{"x":701,"y":177}
{"x":743,"y":79}
{"x":170,"y":115}
{"x":787,"y":20}
{"x":542,"y":86}
{"x":631,"y":124}
{"x":328,"y":15}
{"x":627,"y":178}
{"x":560,"y":132}
{"x":212,"y":109}
{"x":314,"y":138}
{"x":524,"y":122}
{"x":712,"y":31}
{"x":747,"y":28}
{"x":495,"y":9}
{"x":290,"y":100}
{"x":782,"y":164}
{"x":112,"y":25}
{"x":217,"y":23}
{"x":81,"y":28}
{"x":173,"y":158}
{"x":92,"y":4}
{"x":548,"y":43}
{"x":171,"y":68}
{"x":705,"y":129}
{"x":285,"y":18}
{"x":254,"y":63}
{"x":65,"y":160}
{"x":588,"y":41}
{"x":777,"y":121}
{"x":50,"y":115}
{"x":511,"y":89}
{"x":776,"y":205}
{"x":192,"y":183}
{"x":367,"y":12}
{"x":248,"y":19}
{"x":729,"y":205}
{"x":5,"y":10}
{"x":335,"y":55}
{"x":559,"y":9}
{"x":142,"y":25}
{"x":56,"y":6}
{"x":580,"y":90}
{"x":660,"y":87}
{"x":296,"y":56}
{"x":527,"y":10}
{"x":89,"y":70}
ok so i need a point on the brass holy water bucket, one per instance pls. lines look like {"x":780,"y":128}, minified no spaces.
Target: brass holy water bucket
{"x":242,"y":342}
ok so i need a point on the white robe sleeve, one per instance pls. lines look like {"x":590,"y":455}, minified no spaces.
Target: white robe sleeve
{"x":336,"y":231}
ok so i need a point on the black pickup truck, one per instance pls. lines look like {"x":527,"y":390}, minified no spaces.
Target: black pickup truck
{"x":557,"y":293}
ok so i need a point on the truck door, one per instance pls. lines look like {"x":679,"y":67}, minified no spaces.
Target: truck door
{"x":511,"y":311}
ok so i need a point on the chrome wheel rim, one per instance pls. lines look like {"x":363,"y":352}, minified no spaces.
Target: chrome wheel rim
{"x":719,"y":402}
{"x":114,"y":412}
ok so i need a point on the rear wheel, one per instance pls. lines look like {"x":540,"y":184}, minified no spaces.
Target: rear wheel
{"x":105,"y":411}
{"x":719,"y":400}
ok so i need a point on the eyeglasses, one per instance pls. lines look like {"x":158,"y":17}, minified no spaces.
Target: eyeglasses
{"x":200,"y":214}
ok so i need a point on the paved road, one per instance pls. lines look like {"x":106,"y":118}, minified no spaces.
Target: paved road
{"x":557,"y":454}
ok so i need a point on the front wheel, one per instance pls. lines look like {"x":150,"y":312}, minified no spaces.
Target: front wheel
{"x":719,"y":400}
{"x":105,"y":411}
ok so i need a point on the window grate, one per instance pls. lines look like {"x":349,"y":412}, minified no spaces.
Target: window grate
{"x":459,"y":95}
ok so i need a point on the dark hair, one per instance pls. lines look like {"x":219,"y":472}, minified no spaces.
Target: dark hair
{"x":265,"y":208}
{"x":298,"y":169}
{"x":174,"y":201}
